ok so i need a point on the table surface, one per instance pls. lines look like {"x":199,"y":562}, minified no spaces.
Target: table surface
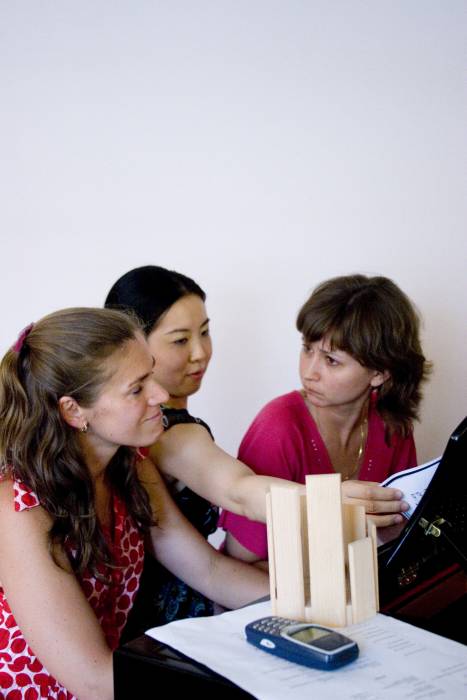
{"x":144,"y":662}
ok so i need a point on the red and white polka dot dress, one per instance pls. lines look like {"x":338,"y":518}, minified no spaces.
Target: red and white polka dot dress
{"x":22,"y":676}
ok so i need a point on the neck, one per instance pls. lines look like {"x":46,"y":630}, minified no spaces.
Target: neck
{"x":340,"y":421}
{"x":97,"y":457}
{"x":177,"y":402}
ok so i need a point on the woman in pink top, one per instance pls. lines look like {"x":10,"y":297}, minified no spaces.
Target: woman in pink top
{"x":361,"y":367}
{"x":77,"y":393}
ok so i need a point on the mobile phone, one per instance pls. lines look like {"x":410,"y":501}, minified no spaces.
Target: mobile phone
{"x":304,"y":643}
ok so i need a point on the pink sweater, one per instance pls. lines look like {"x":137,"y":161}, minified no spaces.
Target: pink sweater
{"x":283,"y":441}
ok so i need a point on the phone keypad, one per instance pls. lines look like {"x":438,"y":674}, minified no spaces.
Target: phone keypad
{"x":272,"y":625}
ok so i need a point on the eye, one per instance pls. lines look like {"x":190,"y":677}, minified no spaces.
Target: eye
{"x":180,"y":341}
{"x":331,"y":361}
{"x":205,"y":332}
{"x":306,"y":347}
{"x":137,"y":390}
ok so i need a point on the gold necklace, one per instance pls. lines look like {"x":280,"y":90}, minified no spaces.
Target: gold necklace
{"x":363,"y":424}
{"x":361,"y":447}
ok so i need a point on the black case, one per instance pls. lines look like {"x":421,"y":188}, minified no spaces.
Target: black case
{"x":422,"y":572}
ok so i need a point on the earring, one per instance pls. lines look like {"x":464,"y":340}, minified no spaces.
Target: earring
{"x":84,"y":428}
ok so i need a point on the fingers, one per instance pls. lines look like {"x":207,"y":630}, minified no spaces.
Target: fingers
{"x":375,"y":499}
{"x":386,"y":520}
{"x":370,"y":491}
{"x":378,"y":507}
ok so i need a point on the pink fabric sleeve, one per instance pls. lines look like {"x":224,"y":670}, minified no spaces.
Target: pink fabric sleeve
{"x":405,"y":454}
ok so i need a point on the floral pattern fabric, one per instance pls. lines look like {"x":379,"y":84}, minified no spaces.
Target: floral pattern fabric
{"x":22,"y":676}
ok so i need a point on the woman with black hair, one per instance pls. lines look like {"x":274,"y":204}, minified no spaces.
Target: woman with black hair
{"x":198,"y":472}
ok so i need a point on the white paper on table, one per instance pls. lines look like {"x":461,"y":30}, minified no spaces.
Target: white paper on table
{"x":413,"y":483}
{"x":397,"y":661}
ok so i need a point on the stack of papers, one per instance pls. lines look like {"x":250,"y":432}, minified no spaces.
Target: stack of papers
{"x":397,"y":661}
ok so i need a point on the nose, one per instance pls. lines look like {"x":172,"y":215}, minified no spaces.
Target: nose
{"x":198,"y":350}
{"x":311,"y":366}
{"x":157,"y":394}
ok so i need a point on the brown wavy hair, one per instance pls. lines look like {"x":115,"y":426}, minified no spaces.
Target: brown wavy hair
{"x":65,"y":355}
{"x":372,"y":320}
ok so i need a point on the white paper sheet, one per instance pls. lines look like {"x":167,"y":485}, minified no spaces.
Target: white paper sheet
{"x":413,"y":483}
{"x":397,"y":661}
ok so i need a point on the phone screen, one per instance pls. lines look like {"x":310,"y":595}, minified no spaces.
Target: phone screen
{"x":308,"y":634}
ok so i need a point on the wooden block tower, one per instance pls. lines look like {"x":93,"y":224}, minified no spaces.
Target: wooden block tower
{"x":322,"y":560}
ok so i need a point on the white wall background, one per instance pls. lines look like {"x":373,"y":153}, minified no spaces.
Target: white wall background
{"x":258,"y":146}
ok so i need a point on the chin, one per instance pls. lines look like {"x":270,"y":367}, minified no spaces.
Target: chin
{"x":153,"y":437}
{"x":195,"y":386}
{"x":148,"y":443}
{"x":315,"y":399}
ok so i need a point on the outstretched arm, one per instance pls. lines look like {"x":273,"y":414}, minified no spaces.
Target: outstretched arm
{"x":182,"y":550}
{"x":186,"y":452}
{"x":49,"y":605}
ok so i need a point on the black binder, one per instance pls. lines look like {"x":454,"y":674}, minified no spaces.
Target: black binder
{"x":430,"y":553}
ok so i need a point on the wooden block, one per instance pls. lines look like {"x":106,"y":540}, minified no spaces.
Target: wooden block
{"x":354,"y":519}
{"x":288,"y":564}
{"x":271,"y":555}
{"x":362,"y":580}
{"x":373,"y":534}
{"x":305,"y":550}
{"x":326,"y":549}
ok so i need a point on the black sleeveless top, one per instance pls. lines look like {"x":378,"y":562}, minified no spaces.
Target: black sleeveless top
{"x":201,"y":514}
{"x":162,"y":597}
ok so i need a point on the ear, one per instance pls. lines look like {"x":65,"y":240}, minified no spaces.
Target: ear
{"x":379,"y":378}
{"x":71,"y":412}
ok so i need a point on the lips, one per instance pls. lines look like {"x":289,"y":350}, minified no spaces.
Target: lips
{"x":197,"y":375}
{"x":312,"y":392}
{"x":156,"y":417}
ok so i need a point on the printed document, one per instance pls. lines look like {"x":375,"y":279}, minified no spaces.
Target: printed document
{"x":397,"y":661}
{"x":413,"y":483}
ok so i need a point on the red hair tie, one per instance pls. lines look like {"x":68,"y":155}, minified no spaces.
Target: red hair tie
{"x":22,"y":337}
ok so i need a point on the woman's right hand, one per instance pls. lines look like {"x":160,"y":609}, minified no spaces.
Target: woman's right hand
{"x":383,"y":505}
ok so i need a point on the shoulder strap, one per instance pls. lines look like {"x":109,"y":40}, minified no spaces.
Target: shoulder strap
{"x":174,"y":416}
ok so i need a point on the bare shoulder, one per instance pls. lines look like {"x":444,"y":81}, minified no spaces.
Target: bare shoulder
{"x":180,"y":441}
{"x":24,"y":535}
{"x":183,"y":432}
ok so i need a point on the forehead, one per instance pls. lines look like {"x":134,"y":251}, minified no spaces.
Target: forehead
{"x":187,"y":312}
{"x":128,"y":363}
